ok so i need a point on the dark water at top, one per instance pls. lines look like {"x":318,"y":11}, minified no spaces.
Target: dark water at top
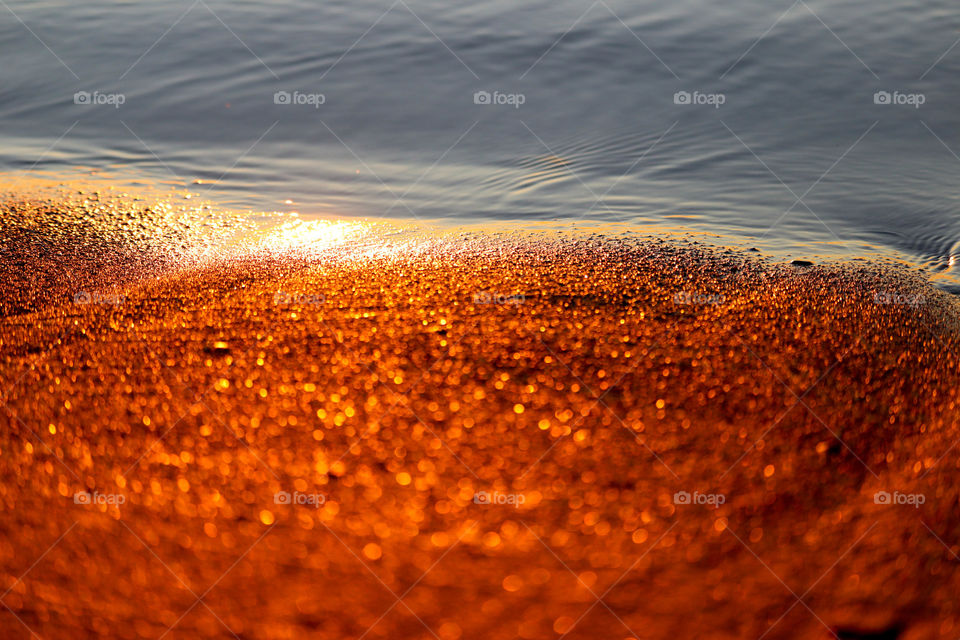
{"x":799,"y":152}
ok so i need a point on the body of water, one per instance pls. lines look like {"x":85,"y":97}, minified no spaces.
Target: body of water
{"x":817,"y":127}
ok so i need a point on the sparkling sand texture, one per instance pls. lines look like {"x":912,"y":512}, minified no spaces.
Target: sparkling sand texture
{"x":337,"y":431}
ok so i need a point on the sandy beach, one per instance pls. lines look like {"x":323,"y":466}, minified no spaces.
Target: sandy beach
{"x":352,"y":434}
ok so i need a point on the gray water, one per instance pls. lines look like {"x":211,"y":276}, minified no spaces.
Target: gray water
{"x":789,"y":149}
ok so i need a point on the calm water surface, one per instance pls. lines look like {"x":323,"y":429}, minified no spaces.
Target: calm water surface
{"x":753,"y":119}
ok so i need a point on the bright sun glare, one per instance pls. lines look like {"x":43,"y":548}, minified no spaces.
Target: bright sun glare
{"x":310,"y":235}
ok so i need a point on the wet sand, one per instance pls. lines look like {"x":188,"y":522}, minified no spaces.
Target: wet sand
{"x":392,"y":384}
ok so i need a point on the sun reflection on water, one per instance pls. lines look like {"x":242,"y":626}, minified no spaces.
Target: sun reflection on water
{"x":311,"y":235}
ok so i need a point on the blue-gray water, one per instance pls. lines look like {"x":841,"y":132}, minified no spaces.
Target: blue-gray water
{"x":799,"y":152}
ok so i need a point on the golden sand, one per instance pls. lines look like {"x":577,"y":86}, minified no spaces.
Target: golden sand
{"x":339,"y":433}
